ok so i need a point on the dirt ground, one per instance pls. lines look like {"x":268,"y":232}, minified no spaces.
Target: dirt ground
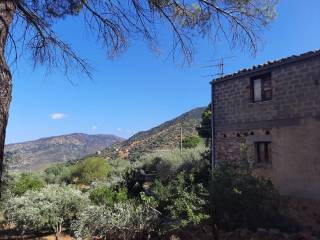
{"x":9,"y":234}
{"x":45,"y":237}
{"x":53,"y":237}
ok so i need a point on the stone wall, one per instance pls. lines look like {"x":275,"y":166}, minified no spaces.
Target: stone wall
{"x":296,"y":94}
{"x":290,"y":121}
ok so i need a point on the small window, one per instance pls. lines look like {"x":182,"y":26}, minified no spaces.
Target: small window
{"x":263,"y":152}
{"x":261,"y":88}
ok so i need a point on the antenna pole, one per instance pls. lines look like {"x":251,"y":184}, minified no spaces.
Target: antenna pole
{"x":222,"y":67}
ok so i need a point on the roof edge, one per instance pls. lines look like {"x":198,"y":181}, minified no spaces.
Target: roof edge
{"x":267,"y":65}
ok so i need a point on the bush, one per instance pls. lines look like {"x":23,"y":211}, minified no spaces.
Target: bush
{"x":191,"y":142}
{"x":167,"y":164}
{"x":104,"y":195}
{"x":204,"y":130}
{"x":134,"y":179}
{"x":181,"y":200}
{"x":90,"y":170}
{"x":24,"y":182}
{"x":49,"y":208}
{"x":199,"y":168}
{"x":123,"y":221}
{"x":240,"y":200}
{"x":58,"y":173}
{"x":119,"y":169}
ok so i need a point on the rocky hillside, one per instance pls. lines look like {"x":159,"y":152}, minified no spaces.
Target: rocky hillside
{"x":163,"y":137}
{"x":43,"y":152}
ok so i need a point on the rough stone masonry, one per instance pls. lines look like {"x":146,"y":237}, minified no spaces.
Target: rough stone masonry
{"x":270,"y":116}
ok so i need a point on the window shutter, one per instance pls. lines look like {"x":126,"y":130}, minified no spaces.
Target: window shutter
{"x":257,"y":93}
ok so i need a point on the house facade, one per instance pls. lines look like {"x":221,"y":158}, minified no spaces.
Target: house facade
{"x":270,"y":116}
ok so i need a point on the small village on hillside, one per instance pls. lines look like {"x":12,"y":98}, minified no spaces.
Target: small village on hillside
{"x":219,"y":140}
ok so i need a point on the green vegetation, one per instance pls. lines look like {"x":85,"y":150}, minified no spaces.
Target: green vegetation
{"x":124,"y":221}
{"x":191,"y":142}
{"x":58,"y":173}
{"x":51,"y":207}
{"x":240,"y":200}
{"x":86,"y":171}
{"x":108,"y":196}
{"x":24,"y":182}
{"x":167,"y":164}
{"x":182,"y":200}
{"x":91,"y":169}
{"x":157,"y":193}
{"x":204,"y":130}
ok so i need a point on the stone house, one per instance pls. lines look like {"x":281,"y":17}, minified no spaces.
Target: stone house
{"x":270,"y":115}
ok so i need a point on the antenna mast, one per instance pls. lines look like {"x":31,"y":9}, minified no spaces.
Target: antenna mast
{"x":220,"y":66}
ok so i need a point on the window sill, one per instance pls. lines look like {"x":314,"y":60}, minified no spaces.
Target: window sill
{"x":257,"y":102}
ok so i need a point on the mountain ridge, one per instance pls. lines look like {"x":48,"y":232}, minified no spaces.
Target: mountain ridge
{"x":36,"y":154}
{"x":62,"y":135}
{"x":165,"y":136}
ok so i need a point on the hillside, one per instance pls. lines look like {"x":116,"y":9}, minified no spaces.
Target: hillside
{"x":163,"y":137}
{"x":40,"y":153}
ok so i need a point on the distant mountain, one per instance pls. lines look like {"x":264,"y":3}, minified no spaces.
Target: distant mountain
{"x":163,"y":137}
{"x":45,"y":151}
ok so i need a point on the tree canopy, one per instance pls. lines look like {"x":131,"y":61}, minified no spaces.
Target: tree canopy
{"x":115,"y":23}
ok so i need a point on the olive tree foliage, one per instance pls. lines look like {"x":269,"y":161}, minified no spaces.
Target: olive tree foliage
{"x":28,"y":25}
{"x":123,"y":221}
{"x":49,"y":208}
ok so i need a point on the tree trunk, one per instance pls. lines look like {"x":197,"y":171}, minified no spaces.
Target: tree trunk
{"x":7,"y":11}
{"x":58,"y":231}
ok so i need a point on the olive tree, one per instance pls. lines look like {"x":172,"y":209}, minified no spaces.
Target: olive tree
{"x":49,"y":208}
{"x":123,"y":221}
{"x":29,"y":25}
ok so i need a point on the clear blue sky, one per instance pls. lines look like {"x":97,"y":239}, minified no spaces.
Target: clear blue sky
{"x":140,"y":90}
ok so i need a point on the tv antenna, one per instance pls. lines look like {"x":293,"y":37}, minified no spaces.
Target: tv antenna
{"x":219,"y":64}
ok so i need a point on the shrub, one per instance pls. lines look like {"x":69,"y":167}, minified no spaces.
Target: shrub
{"x":240,"y":200}
{"x":108,"y":196}
{"x":134,"y":179}
{"x":58,"y":173}
{"x":123,"y":221}
{"x":91,"y":169}
{"x":199,"y":168}
{"x":118,"y":172}
{"x":191,"y":142}
{"x":204,"y":130}
{"x":167,"y":164}
{"x":49,"y":208}
{"x":24,"y":182}
{"x":181,"y":200}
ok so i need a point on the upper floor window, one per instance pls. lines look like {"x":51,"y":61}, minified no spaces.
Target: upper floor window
{"x":261,"y":88}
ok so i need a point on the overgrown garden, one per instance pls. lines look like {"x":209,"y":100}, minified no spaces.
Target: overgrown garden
{"x":148,"y":198}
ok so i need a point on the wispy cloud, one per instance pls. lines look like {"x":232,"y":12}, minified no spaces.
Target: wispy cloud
{"x":57,"y":116}
{"x":94,"y":128}
{"x":119,"y":129}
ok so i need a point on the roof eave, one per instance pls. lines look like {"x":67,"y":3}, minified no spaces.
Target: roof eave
{"x":267,"y":66}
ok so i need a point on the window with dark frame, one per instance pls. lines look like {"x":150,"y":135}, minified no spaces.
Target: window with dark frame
{"x":261,"y":88}
{"x":263,"y":152}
